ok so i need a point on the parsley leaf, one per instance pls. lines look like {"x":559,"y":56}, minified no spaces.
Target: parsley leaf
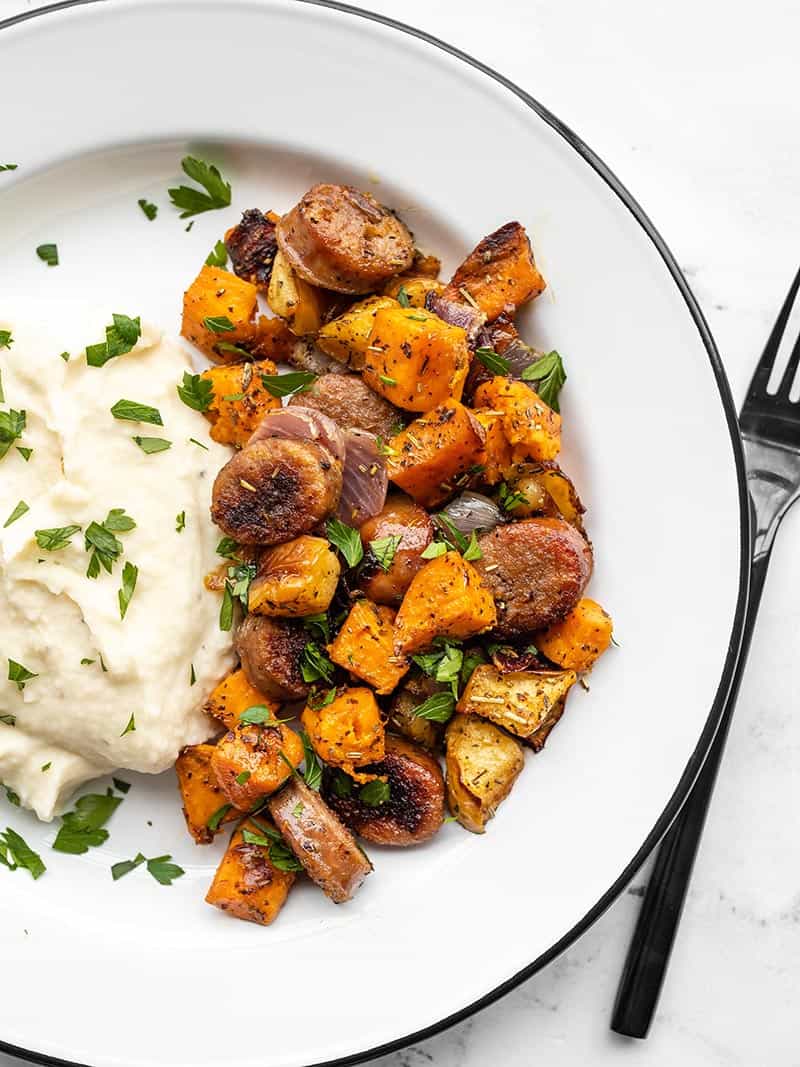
{"x":402,"y":297}
{"x":258,"y":715}
{"x":384,"y":549}
{"x":150,"y":210}
{"x":180,"y":522}
{"x":341,"y":784}
{"x":131,"y":727}
{"x":82,"y":828}
{"x":315,"y":665}
{"x":17,"y":513}
{"x":508,"y":499}
{"x":49,"y":254}
{"x":119,"y":870}
{"x":347,"y":540}
{"x":196,"y":392}
{"x":218,"y":324}
{"x":121,"y":337}
{"x":26,"y":453}
{"x":133,"y":411}
{"x":19,"y":674}
{"x":375,"y":793}
{"x":121,"y":785}
{"x":313,"y":768}
{"x":151,"y":445}
{"x":11,"y":796}
{"x":163,"y":871}
{"x":130,"y":574}
{"x":444,"y":664}
{"x":215,"y":820}
{"x":282,"y":858}
{"x":8,"y":720}
{"x":434,"y":549}
{"x":55,"y":539}
{"x":191,"y":201}
{"x":226,"y":610}
{"x":473,"y":549}
{"x":8,"y":166}
{"x":6,"y":341}
{"x":218,"y":256}
{"x":227,"y":548}
{"x":299,"y":381}
{"x":438,"y":708}
{"x":99,"y":539}
{"x":550,"y":374}
{"x":319,"y":623}
{"x":12,"y":423}
{"x":492,"y":360}
{"x":16,"y":852}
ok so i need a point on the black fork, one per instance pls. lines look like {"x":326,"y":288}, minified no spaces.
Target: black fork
{"x":770,"y":426}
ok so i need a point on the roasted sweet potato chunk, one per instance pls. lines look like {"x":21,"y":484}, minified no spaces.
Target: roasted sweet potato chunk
{"x":347,"y":336}
{"x":579,"y":639}
{"x":234,"y":695}
{"x":530,"y":425}
{"x":201,"y":794}
{"x":499,"y":274}
{"x":446,"y":599}
{"x":247,"y":884}
{"x":349,"y":731}
{"x":218,"y":311}
{"x":296,"y":578}
{"x":365,"y":647}
{"x":415,"y":288}
{"x":416,"y":360}
{"x":240,"y":400}
{"x":428,"y":458}
{"x":250,"y":762}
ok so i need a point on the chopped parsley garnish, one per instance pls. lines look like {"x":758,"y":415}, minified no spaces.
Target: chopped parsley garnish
{"x":196,"y":392}
{"x":55,"y":539}
{"x":320,"y":698}
{"x":87,"y":662}
{"x":119,"y":870}
{"x":192,"y":675}
{"x":163,"y":871}
{"x":8,"y":720}
{"x":298,"y":381}
{"x":6,"y":341}
{"x":130,"y":574}
{"x":313,"y":768}
{"x":227,"y":548}
{"x":11,"y":796}
{"x":8,"y":166}
{"x":218,"y":324}
{"x":236,"y":350}
{"x":192,"y":201}
{"x":418,"y":318}
{"x":438,"y":708}
{"x":508,"y":498}
{"x":16,"y":852}
{"x":473,"y":549}
{"x":387,"y":380}
{"x":19,"y":675}
{"x":239,"y":578}
{"x":151,"y":445}
{"x":243,"y":777}
{"x":315,"y":665}
{"x":150,"y":210}
{"x":131,"y":727}
{"x":100,"y":540}
{"x":180,"y":522}
{"x":133,"y":411}
{"x":319,"y":623}
{"x":550,"y":375}
{"x":402,"y":297}
{"x":17,"y":513}
{"x":218,"y":256}
{"x":443,"y":664}
{"x":341,"y":784}
{"x":282,"y":858}
{"x":492,"y":360}
{"x":121,"y":785}
{"x":194,"y":441}
{"x":64,"y":356}
{"x":46,"y":766}
{"x":49,"y":254}
{"x":26,"y":453}
{"x":226,"y":610}
{"x":82,"y":828}
{"x":215,"y":820}
{"x":258,"y":715}
{"x":384,"y":549}
{"x":12,"y":424}
{"x":472,"y":659}
{"x":121,"y":337}
{"x":375,"y":793}
{"x":434,"y":549}
{"x":347,"y":540}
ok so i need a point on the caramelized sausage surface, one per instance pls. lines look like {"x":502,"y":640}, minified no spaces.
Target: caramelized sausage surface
{"x":350,"y":402}
{"x":402,"y":518}
{"x":270,"y":651}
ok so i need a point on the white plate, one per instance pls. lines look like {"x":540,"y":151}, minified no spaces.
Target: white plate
{"x":100,"y":104}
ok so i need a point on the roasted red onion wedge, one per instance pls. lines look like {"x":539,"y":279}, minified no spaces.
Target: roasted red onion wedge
{"x":364,"y":483}
{"x":456,"y":313}
{"x":304,"y":424}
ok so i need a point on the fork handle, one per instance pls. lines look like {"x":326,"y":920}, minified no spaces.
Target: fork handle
{"x":651,"y":945}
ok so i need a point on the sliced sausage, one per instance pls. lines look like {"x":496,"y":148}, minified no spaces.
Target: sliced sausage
{"x":415,"y":809}
{"x":274,"y":490}
{"x":325,"y":847}
{"x":536,"y":571}
{"x":252,"y":247}
{"x":270,"y":651}
{"x":342,"y":239}
{"x":402,"y":518}
{"x":348,"y":400}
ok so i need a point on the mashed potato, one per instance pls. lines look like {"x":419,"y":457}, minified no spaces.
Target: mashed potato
{"x":97,"y":674}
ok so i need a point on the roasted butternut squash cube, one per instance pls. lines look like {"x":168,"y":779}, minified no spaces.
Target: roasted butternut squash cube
{"x":247,"y":884}
{"x":201,"y":794}
{"x":218,"y":310}
{"x":499,"y":274}
{"x":527,"y":703}
{"x":481,"y":766}
{"x":250,"y":762}
{"x":234,"y":695}
{"x":579,"y":639}
{"x":298,"y":577}
{"x":346,"y":337}
{"x":445,"y":599}
{"x":240,"y":400}
{"x":416,"y":288}
{"x":497,"y":458}
{"x":415,"y":359}
{"x":428,"y":458}
{"x":365,"y":647}
{"x":348,"y":732}
{"x":298,"y":303}
{"x":530,"y":425}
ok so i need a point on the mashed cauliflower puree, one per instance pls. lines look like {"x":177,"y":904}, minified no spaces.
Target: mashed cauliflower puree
{"x":96,"y":673}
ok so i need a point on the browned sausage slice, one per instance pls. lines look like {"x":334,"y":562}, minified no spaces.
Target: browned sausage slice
{"x":325,"y":847}
{"x":415,"y":808}
{"x":350,"y":402}
{"x":536,"y":570}
{"x":342,"y":239}
{"x":402,"y":518}
{"x":274,"y":490}
{"x":270,"y":651}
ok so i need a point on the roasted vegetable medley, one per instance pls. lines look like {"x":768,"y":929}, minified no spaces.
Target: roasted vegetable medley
{"x":404,"y":562}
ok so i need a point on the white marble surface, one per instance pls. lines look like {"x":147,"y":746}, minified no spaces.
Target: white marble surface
{"x":695,"y":106}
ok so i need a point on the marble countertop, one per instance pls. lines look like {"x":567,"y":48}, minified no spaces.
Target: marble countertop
{"x":695,"y":106}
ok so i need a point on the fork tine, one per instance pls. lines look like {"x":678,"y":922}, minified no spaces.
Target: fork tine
{"x":787,"y":381}
{"x":758,"y":385}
